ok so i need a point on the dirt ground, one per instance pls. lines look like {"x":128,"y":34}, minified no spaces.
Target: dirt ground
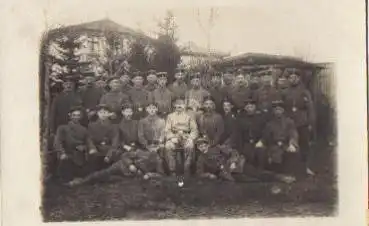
{"x":125,"y":198}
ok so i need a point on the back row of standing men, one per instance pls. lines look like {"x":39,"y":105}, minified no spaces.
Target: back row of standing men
{"x":232,"y":94}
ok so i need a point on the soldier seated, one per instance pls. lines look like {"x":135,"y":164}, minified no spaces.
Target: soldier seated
{"x":214,"y":162}
{"x":71,"y":143}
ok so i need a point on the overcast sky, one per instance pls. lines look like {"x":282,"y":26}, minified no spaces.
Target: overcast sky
{"x":299,"y":28}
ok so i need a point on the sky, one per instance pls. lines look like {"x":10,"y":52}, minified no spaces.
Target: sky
{"x":305,"y":29}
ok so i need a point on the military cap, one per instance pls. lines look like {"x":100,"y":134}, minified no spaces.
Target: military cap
{"x":291,"y":71}
{"x":153,"y":142}
{"x":202,"y":140}
{"x":126,"y":106}
{"x":76,"y":108}
{"x":249,"y":101}
{"x":112,"y":78}
{"x":102,"y":107}
{"x":208,"y":98}
{"x":180,"y":98}
{"x":152,"y":103}
{"x":195,"y":75}
{"x":180,"y":70}
{"x":278,"y":103}
{"x":162,"y":74}
{"x":70,"y":78}
{"x":240,"y":71}
{"x":137,"y":74}
{"x":151,"y":71}
{"x":217,"y":74}
{"x":227,"y":100}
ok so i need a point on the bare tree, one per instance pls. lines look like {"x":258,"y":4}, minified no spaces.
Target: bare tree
{"x":207,"y":27}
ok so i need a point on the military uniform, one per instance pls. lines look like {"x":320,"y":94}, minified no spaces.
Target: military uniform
{"x":178,"y":89}
{"x":163,"y":97}
{"x":114,"y":100}
{"x":72,"y":140}
{"x":151,"y":129}
{"x":230,"y":125}
{"x":264,"y":97}
{"x":151,"y":87}
{"x":139,"y":97}
{"x":211,"y":125}
{"x":195,"y":97}
{"x":102,"y":134}
{"x":182,"y":127}
{"x":278,"y":135}
{"x":300,"y":107}
{"x":126,"y":88}
{"x":217,"y":94}
{"x":238,"y":95}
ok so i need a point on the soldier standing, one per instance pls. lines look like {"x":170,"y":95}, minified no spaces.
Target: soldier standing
{"x":151,"y":81}
{"x":91,"y":96}
{"x":63,"y":102}
{"x":216,"y":90}
{"x":114,"y":99}
{"x":228,"y":84}
{"x":162,"y":96}
{"x":179,"y":86}
{"x":180,"y":132}
{"x":138,"y":95}
{"x":265,"y":95}
{"x":211,"y":123}
{"x":300,"y":108}
{"x":196,"y":95}
{"x":240,"y":92}
{"x":254,"y":85}
{"x":125,"y":83}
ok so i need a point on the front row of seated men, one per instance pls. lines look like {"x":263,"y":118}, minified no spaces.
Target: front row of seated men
{"x":142,"y":148}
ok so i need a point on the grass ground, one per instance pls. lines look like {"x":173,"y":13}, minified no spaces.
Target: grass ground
{"x":125,"y":198}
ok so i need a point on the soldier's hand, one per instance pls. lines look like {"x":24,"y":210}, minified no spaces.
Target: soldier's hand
{"x":81,"y":148}
{"x":233,"y":166}
{"x":174,"y":140}
{"x":259,"y":144}
{"x":291,"y":148}
{"x":75,"y":182}
{"x":127,"y":147}
{"x":91,"y":114}
{"x":107,"y":159}
{"x":63,"y":156}
{"x":92,"y":151}
{"x":212,"y":176}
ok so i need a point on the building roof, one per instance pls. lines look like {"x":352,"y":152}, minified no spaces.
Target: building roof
{"x":104,"y":25}
{"x":261,"y":59}
{"x":191,"y":49}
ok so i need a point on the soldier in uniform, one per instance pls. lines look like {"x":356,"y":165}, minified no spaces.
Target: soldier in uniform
{"x":151,"y":81}
{"x":228,"y":84}
{"x":180,"y":132}
{"x":216,"y":90}
{"x":210,"y":123}
{"x":254,"y":85}
{"x":196,"y":95}
{"x":214,"y":162}
{"x":282,"y":87}
{"x":240,"y":92}
{"x":300,"y":107}
{"x":250,"y":125}
{"x":247,"y":76}
{"x":139,"y":96}
{"x":162,"y":96}
{"x":102,"y":133}
{"x":179,"y":86}
{"x":280,"y":138}
{"x":125,"y":82}
{"x":71,"y":144}
{"x":62,"y":103}
{"x":114,"y":99}
{"x":265,"y":95}
{"x":229,"y":118}
{"x":100,"y":83}
{"x":91,"y":96}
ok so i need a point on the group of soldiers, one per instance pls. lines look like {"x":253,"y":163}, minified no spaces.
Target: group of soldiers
{"x":240,"y":124}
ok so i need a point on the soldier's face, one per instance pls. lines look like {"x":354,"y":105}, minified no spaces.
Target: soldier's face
{"x":180,"y":106}
{"x":162,"y":81}
{"x":282,"y":83}
{"x":75,"y":116}
{"x":209,"y":105}
{"x":195,"y":82}
{"x":151,"y":79}
{"x":100,"y":84}
{"x":137,"y":81}
{"x":124,"y":79}
{"x":127,"y":113}
{"x":250,"y":108}
{"x":240,"y":80}
{"x":278,"y":111}
{"x":204,"y":147}
{"x":179,"y":76}
{"x":254,"y":80}
{"x":114,"y":84}
{"x":103,"y":114}
{"x":228,"y":79}
{"x":216,"y":80}
{"x":294,"y":79}
{"x":89,"y":80}
{"x":68,"y":86}
{"x":151,"y":109}
{"x":227,"y":107}
{"x":267,"y":80}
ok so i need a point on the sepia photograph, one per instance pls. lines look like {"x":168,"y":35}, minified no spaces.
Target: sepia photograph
{"x":186,"y":113}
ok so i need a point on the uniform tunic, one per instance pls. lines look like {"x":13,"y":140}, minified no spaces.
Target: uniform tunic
{"x":178,"y":89}
{"x":126,"y":88}
{"x":163,"y":97}
{"x":195,"y":97}
{"x":238,"y":95}
{"x":177,"y":122}
{"x":214,"y":158}
{"x":211,"y":124}
{"x":151,"y":87}
{"x":60,"y":108}
{"x":102,"y":135}
{"x":227,"y":90}
{"x":127,"y":133}
{"x":229,"y":135}
{"x":218,"y":96}
{"x":264,"y":97}
{"x":114,"y":100}
{"x":151,"y":129}
{"x":91,"y":97}
{"x":139,"y":97}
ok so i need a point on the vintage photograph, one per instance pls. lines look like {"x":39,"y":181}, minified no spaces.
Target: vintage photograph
{"x":187,"y":113}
